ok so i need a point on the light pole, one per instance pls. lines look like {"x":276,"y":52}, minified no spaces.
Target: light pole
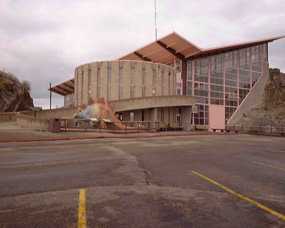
{"x":49,"y":95}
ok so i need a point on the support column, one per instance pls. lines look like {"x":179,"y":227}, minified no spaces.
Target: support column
{"x":153,"y":116}
{"x":184,"y":76}
{"x":186,"y":113}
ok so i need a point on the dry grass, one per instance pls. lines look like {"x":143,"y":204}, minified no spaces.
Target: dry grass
{"x":12,"y":79}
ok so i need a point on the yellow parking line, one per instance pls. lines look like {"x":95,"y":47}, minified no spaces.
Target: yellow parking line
{"x":82,"y":209}
{"x":242,"y":197}
{"x":268,"y":165}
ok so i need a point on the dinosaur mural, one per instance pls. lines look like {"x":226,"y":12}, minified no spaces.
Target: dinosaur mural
{"x":101,"y":110}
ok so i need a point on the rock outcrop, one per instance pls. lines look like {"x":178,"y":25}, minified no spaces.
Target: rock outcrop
{"x":272,"y":109}
{"x":274,"y":91}
{"x":14,"y":95}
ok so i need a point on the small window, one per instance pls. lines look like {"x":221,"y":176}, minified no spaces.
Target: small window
{"x":132,"y":116}
{"x":109,"y":76}
{"x":132,"y":77}
{"x":153,"y":77}
{"x":121,"y":76}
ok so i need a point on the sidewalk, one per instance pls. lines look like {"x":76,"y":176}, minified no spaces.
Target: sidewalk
{"x":10,"y":132}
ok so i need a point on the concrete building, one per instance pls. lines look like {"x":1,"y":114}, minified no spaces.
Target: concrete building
{"x":221,"y":83}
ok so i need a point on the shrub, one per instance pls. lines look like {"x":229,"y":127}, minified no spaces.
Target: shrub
{"x":9,"y":75}
{"x":26,"y":85}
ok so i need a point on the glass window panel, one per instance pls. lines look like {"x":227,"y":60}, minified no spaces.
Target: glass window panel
{"x":231,"y":83}
{"x":244,"y":66}
{"x":231,"y":90}
{"x":218,"y":59}
{"x":255,"y":75}
{"x":217,"y":88}
{"x":202,"y":100}
{"x":189,"y":88}
{"x":217,"y":74}
{"x":231,"y":70}
{"x":258,"y":63}
{"x":189,"y":70}
{"x":201,"y":71}
{"x":244,"y":72}
{"x":189,"y":92}
{"x":244,"y":79}
{"x":197,"y":63}
{"x":231,"y":76}
{"x":217,"y":67}
{"x":256,"y":68}
{"x":200,"y":78}
{"x":244,"y":85}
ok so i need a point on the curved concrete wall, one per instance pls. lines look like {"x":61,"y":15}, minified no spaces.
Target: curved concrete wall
{"x":116,"y":80}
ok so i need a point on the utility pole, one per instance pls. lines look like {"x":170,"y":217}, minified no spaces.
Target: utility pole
{"x":155,"y":20}
{"x":49,"y":95}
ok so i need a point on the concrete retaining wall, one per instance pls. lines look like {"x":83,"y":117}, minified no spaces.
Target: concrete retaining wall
{"x":11,"y":116}
{"x":32,"y":122}
{"x":56,"y":113}
{"x":254,"y":97}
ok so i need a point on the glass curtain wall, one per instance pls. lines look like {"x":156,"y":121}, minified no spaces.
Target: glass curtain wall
{"x":224,"y":79}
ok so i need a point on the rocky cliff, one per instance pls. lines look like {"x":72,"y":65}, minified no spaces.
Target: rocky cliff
{"x":14,"y":95}
{"x":272,"y":109}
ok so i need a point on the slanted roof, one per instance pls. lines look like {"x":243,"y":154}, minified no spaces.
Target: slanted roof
{"x":235,"y":46}
{"x":164,"y":50}
{"x":172,"y":46}
{"x":64,"y":88}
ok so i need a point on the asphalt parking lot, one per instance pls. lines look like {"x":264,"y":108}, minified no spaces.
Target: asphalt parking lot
{"x":189,"y":181}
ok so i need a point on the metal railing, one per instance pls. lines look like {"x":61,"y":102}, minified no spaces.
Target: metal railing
{"x":110,"y":126}
{"x":258,"y":129}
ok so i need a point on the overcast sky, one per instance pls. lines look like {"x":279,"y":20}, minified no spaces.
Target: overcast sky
{"x":43,"y":41}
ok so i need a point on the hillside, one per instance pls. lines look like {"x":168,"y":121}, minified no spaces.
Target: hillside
{"x":272,"y":109}
{"x":14,"y":95}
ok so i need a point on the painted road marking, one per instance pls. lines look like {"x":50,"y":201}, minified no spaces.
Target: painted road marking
{"x":268,"y":165}
{"x":242,"y":197}
{"x":82,"y":209}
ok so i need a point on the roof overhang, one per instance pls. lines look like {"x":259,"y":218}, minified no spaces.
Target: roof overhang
{"x":164,"y":50}
{"x":173,"y":46}
{"x":64,"y":88}
{"x":233,"y":47}
{"x":153,"y":102}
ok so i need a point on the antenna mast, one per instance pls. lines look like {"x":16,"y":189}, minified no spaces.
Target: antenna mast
{"x":155,"y":20}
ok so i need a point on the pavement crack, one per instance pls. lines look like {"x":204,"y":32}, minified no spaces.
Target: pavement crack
{"x":145,"y":173}
{"x":131,"y":166}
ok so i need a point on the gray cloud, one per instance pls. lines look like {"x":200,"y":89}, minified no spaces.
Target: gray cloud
{"x":43,"y":41}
